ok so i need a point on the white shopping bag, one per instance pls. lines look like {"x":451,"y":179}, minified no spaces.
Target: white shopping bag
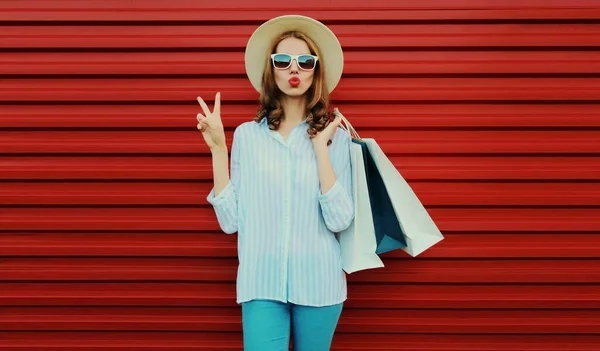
{"x":419,"y":229}
{"x":358,"y":243}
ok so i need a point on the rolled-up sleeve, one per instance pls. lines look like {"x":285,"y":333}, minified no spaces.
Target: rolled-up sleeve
{"x":337,"y":204}
{"x":226,"y":203}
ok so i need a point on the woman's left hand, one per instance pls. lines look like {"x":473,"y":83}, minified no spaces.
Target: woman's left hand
{"x":323,"y":137}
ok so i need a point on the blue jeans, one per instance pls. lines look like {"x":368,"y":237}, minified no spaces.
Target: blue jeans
{"x":267,"y":325}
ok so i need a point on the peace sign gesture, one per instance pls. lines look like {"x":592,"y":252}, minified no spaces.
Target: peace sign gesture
{"x":210,"y":124}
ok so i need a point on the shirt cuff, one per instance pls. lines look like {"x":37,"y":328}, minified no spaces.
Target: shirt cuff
{"x":222,"y":197}
{"x":332,"y":193}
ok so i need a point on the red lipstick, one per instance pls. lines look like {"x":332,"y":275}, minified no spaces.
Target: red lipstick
{"x":294,"y":81}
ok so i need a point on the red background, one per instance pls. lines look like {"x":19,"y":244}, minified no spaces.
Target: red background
{"x":488,"y":108}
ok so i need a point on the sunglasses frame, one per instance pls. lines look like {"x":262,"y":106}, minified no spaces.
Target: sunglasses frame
{"x":294,"y":57}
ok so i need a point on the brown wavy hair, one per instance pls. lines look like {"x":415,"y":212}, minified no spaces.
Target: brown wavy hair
{"x":317,"y":107}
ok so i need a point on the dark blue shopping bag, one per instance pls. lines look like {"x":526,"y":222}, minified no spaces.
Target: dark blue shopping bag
{"x":388,"y":232}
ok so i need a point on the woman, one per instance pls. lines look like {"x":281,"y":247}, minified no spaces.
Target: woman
{"x":290,"y":187}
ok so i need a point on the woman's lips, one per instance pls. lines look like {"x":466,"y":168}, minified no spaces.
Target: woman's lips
{"x":294,"y":81}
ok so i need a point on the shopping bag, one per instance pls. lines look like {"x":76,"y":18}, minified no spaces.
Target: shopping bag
{"x":388,"y":232}
{"x":420,"y":231}
{"x":416,"y":225}
{"x":357,"y":242}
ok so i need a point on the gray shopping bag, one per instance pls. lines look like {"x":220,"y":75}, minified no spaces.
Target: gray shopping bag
{"x":388,"y":233}
{"x":357,"y":242}
{"x":420,"y":231}
{"x":400,"y":219}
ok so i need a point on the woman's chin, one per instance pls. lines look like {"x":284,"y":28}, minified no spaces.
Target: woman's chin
{"x":293,"y":91}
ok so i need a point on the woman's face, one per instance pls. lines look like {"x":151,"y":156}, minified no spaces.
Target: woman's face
{"x":293,"y":46}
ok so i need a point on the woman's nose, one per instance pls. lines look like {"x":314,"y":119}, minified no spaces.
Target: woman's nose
{"x":294,"y":65}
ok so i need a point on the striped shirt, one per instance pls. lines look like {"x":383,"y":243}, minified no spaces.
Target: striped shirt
{"x":287,"y":248}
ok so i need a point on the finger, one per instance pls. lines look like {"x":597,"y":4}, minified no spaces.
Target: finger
{"x":200,"y":118}
{"x":336,"y":112}
{"x":217,"y":110}
{"x":204,"y":106}
{"x":331,"y":128}
{"x":336,"y":122}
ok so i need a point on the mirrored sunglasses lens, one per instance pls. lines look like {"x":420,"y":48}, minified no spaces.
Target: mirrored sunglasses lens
{"x":306,"y":62}
{"x":281,"y":61}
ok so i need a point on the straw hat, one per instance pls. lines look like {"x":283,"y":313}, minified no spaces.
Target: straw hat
{"x":257,"y":48}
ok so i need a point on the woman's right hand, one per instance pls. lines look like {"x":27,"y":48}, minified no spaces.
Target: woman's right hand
{"x":210,"y":124}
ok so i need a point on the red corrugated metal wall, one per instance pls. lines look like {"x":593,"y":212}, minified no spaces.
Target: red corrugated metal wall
{"x":489,"y":108}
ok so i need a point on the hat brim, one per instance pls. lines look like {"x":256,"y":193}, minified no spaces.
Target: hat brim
{"x":257,"y":48}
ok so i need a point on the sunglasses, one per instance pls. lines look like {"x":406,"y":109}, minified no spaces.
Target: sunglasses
{"x":305,"y":62}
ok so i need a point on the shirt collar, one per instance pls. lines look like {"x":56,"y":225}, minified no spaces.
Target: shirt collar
{"x":277,"y":136}
{"x":263,"y":122}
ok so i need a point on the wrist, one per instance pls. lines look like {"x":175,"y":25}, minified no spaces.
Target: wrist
{"x":218,"y":149}
{"x":320,"y":147}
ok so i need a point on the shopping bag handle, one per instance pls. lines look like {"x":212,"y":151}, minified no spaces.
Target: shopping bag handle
{"x":349,"y":128}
